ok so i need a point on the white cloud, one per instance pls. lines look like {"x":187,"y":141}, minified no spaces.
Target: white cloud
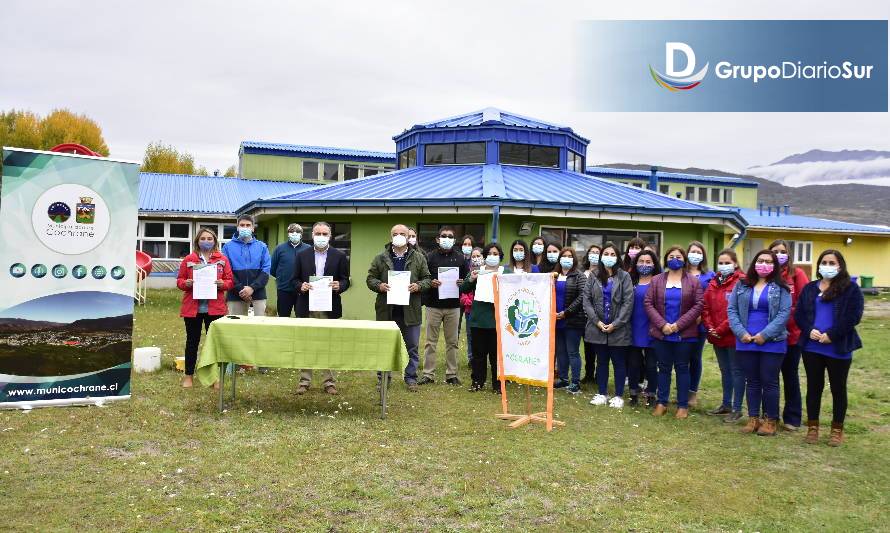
{"x":872,"y":172}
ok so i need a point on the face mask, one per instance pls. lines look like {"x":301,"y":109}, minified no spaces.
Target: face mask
{"x":518,"y":255}
{"x":827,"y":271}
{"x":295,"y":237}
{"x":446,"y":243}
{"x":783,"y":258}
{"x":566,"y":262}
{"x":645,"y":270}
{"x":321,"y":241}
{"x":675,"y":264}
{"x":552,"y":256}
{"x":467,"y":250}
{"x":594,"y":259}
{"x":245,"y":233}
{"x":493,"y":260}
{"x":399,"y":241}
{"x":695,"y":258}
{"x":633,"y":253}
{"x":206,"y":245}
{"x":608,"y":261}
{"x":763,"y":269}
{"x":726,"y":269}
{"x":412,"y":241}
{"x":538,"y":248}
{"x":477,"y":261}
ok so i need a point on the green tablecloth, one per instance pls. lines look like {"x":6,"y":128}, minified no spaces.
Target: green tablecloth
{"x":301,"y":343}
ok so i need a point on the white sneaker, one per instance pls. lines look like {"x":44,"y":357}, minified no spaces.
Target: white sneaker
{"x":599,"y":399}
{"x":617,"y":402}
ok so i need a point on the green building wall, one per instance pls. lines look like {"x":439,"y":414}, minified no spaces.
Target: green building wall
{"x":741,"y":196}
{"x":369,"y":234}
{"x":287,"y":168}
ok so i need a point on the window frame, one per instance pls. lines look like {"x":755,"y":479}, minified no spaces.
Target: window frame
{"x":803,"y":252}
{"x":141,"y":239}
{"x":528,"y":148}
{"x":454,"y":148}
{"x":317,"y":168}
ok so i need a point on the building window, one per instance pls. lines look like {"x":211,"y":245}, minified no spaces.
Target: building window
{"x":454,"y":154}
{"x":427,"y":233}
{"x":640,"y":185}
{"x":165,"y":240}
{"x":371,"y":172}
{"x":690,"y":194}
{"x":408,"y":158}
{"x":530,"y":155}
{"x":331,"y":172}
{"x":702,"y":194}
{"x":310,"y":170}
{"x":582,"y":239}
{"x":803,"y":252}
{"x":664,"y":189}
{"x":575,"y":163}
{"x":341,"y":235}
{"x":727,"y":196}
{"x":715,"y":196}
{"x":350,"y":172}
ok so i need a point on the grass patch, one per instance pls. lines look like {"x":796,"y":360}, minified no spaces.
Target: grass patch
{"x":165,"y":460}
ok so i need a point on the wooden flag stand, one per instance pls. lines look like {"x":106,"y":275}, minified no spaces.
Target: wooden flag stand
{"x":543,"y":417}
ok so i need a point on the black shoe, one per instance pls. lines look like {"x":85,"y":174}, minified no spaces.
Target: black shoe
{"x":425,"y":380}
{"x":475,"y":387}
{"x":587,"y":379}
{"x":720,"y":411}
{"x":733,"y":417}
{"x":634,"y":400}
{"x":496,"y":390}
{"x":561,"y":384}
{"x":453,"y":381}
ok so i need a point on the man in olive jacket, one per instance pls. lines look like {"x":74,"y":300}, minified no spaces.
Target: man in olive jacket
{"x":399,"y":256}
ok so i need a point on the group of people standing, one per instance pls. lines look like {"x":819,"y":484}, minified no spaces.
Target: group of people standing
{"x":646,"y":316}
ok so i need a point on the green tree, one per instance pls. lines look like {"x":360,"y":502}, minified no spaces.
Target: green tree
{"x":20,"y":129}
{"x":231,"y":172}
{"x":166,"y":159}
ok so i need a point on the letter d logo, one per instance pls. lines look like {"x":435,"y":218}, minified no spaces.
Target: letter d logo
{"x":681,"y":80}
{"x":670,"y":50}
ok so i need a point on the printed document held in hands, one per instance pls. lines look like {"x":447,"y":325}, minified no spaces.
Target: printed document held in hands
{"x":204,"y":282}
{"x":321,"y":294}
{"x":398,"y":281}
{"x":448,"y":289}
{"x":485,"y":286}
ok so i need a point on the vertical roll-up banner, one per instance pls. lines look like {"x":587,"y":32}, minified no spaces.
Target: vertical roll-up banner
{"x":67,"y":242}
{"x":526,"y":321}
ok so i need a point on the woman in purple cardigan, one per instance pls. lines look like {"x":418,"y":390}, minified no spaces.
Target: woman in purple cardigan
{"x":673,"y":304}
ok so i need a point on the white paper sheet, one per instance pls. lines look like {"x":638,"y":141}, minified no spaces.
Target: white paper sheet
{"x":204,"y":282}
{"x":448,"y":289}
{"x":321,"y":295}
{"x":398,"y":281}
{"x":484,"y":287}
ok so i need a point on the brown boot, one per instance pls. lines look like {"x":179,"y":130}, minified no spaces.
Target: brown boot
{"x":812,"y":432}
{"x":682,"y":414}
{"x":752,"y":425}
{"x":837,"y":434}
{"x":693,"y":399}
{"x":767,"y":428}
{"x":660,"y":410}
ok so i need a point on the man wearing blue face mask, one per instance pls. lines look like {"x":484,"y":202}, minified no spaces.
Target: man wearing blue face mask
{"x":284,"y":261}
{"x":442,"y":313}
{"x":251,"y":265}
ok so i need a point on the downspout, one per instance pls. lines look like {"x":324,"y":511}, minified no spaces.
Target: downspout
{"x":741,"y":235}
{"x":495,"y":221}
{"x":653,"y":179}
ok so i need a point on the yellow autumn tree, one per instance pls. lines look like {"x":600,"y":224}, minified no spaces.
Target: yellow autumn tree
{"x":63,"y":126}
{"x":166,"y":159}
{"x":20,"y":129}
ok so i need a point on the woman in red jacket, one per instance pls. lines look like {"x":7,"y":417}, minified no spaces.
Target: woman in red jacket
{"x":796,"y":280}
{"x":198,"y":313}
{"x":716,"y":323}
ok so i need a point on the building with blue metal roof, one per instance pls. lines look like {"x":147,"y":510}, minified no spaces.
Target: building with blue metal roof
{"x":311,"y":164}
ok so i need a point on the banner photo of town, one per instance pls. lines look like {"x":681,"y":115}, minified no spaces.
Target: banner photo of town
{"x":67,"y":238}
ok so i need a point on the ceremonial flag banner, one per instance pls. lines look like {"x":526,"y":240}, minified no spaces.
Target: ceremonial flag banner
{"x":525,"y":312}
{"x":68,"y":238}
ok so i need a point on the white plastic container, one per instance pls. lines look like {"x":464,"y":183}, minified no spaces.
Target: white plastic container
{"x":147,"y":359}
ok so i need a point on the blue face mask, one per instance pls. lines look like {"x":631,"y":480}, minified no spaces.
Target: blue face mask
{"x":594,"y":259}
{"x":245,"y":233}
{"x":828,"y":271}
{"x":519,"y":255}
{"x":552,"y":256}
{"x":675,"y":264}
{"x":645,"y":270}
{"x":726,"y":269}
{"x":538,"y":248}
{"x":493,"y":260}
{"x":608,"y":261}
{"x":446,"y":243}
{"x":467,"y":250}
{"x":566,"y":262}
{"x":206,"y":245}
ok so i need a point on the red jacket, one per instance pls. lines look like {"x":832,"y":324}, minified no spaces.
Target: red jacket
{"x":714,"y":313}
{"x":796,"y":283}
{"x":215,"y":307}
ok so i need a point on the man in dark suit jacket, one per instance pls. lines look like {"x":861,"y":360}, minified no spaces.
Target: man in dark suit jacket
{"x":320,"y":260}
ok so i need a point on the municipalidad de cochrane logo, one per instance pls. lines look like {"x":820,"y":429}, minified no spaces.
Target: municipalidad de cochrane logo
{"x":687,"y":78}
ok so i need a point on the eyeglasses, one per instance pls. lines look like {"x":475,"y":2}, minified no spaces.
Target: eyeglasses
{"x":446,"y":236}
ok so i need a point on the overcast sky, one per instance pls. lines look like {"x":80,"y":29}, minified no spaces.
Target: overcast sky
{"x":206,"y":75}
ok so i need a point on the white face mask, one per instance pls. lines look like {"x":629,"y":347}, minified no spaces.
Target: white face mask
{"x":477,"y":261}
{"x":399,"y":241}
{"x":695,"y":258}
{"x":537,"y":248}
{"x":412,"y":241}
{"x":320,"y":241}
{"x":446,"y":243}
{"x":493,"y":260}
{"x":467,"y":250}
{"x":295,"y":237}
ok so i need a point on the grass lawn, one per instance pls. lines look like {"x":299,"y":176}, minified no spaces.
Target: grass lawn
{"x":165,"y":460}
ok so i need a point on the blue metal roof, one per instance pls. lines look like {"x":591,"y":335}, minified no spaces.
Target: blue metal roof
{"x":612,"y":173}
{"x":496,"y":185}
{"x":758,"y":219}
{"x":491,"y":116}
{"x":318,"y":151}
{"x":183,"y":193}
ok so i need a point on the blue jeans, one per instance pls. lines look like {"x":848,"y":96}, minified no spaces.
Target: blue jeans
{"x":618,"y":356}
{"x":411,"y":336}
{"x":762,"y":373}
{"x":673,"y":357}
{"x":642,"y":360}
{"x":695,"y":364}
{"x":732,"y":376}
{"x":568,"y":353}
{"x":792,"y":413}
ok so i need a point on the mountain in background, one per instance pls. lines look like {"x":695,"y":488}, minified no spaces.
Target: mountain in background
{"x":850,"y":202}
{"x":822,"y":167}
